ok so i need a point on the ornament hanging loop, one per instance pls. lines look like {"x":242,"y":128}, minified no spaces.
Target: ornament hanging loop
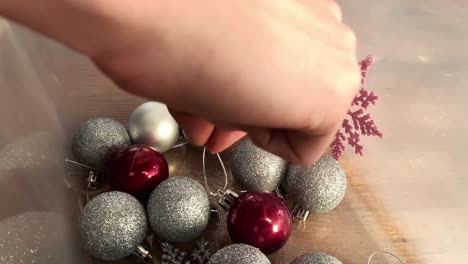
{"x":181,"y":144}
{"x":80,"y":164}
{"x":206,"y":178}
{"x":91,"y":179}
{"x":383,"y":253}
{"x":183,"y":139}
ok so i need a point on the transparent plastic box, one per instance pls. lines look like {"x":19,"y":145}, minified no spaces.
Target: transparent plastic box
{"x":406,"y":195}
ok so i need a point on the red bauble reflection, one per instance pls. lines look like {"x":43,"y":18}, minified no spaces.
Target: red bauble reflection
{"x":137,"y":170}
{"x":259,"y":219}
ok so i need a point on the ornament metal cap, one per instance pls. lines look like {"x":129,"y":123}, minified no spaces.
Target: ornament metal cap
{"x":214,"y":213}
{"x":92,"y":180}
{"x":142,"y":254}
{"x":227,"y":199}
{"x":299,"y":213}
{"x":280,"y":191}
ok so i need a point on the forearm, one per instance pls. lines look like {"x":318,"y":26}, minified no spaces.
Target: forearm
{"x":89,"y":27}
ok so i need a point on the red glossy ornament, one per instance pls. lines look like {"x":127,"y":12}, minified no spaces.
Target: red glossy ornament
{"x":137,"y":170}
{"x":259,"y":219}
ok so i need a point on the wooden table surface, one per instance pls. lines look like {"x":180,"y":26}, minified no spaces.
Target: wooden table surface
{"x":407,"y":195}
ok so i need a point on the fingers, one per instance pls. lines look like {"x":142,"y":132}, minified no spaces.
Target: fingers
{"x":221,"y":139}
{"x":198,"y":130}
{"x":294,"y":146}
{"x":335,"y":9}
{"x":201,"y":132}
{"x":331,"y":7}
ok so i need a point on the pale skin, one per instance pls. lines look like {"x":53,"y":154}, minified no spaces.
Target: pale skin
{"x":282,"y":71}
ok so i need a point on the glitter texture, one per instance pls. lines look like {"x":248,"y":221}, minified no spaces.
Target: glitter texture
{"x":201,"y":253}
{"x":112,"y":225}
{"x":316,"y":258}
{"x":239,"y":254}
{"x":179,"y":209}
{"x":96,"y":139}
{"x":171,"y":254}
{"x":33,"y":237}
{"x":361,"y":123}
{"x":317,"y":188}
{"x":256,"y":169}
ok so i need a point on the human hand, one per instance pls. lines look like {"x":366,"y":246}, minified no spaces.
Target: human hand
{"x":284,"y":72}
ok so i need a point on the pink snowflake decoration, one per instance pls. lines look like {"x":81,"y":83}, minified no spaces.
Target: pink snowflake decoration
{"x":357,"y":122}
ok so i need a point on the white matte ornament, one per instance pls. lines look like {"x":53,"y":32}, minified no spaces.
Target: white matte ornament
{"x":255,"y":169}
{"x":317,"y":188}
{"x":239,"y":254}
{"x":152,"y":124}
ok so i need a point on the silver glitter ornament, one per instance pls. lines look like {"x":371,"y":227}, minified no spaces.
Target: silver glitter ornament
{"x":316,"y":258}
{"x":152,"y":124}
{"x":239,"y":254}
{"x":256,"y":169}
{"x":96,"y":139}
{"x":34,"y":237}
{"x":179,"y":209}
{"x":112,"y":225}
{"x":317,"y":188}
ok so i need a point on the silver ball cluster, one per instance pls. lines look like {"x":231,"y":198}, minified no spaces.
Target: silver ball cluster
{"x":317,"y":188}
{"x":239,"y":254}
{"x":153,"y":125}
{"x":112,"y":225}
{"x":256,"y":169}
{"x":96,"y":139}
{"x":179,"y":209}
{"x":316,"y":258}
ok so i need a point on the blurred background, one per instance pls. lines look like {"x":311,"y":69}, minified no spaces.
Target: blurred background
{"x":406,"y":195}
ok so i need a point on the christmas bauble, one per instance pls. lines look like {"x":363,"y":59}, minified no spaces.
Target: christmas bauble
{"x":152,"y":124}
{"x":179,"y":209}
{"x":256,"y":169}
{"x":259,"y":219}
{"x":112,"y":225}
{"x":316,"y":258}
{"x":34,"y":237}
{"x":97,"y":139}
{"x":137,"y":170}
{"x":319,"y":187}
{"x":239,"y":254}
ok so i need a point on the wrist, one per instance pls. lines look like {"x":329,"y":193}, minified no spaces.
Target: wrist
{"x":89,"y":27}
